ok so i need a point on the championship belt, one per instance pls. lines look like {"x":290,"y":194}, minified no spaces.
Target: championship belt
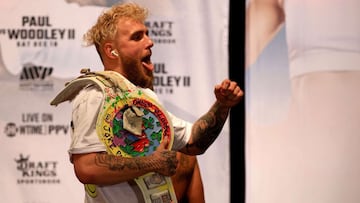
{"x":130,"y":124}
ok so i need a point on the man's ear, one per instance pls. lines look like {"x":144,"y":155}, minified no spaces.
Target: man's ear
{"x":110,"y":51}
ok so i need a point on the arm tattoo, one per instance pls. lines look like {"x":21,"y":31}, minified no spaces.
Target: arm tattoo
{"x":118,"y":163}
{"x":115,"y":163}
{"x":208,"y":127}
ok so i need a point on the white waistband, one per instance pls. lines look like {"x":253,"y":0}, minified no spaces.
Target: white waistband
{"x":321,"y":60}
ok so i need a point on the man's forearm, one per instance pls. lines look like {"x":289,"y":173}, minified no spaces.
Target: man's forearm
{"x":207,"y":128}
{"x":105,"y":169}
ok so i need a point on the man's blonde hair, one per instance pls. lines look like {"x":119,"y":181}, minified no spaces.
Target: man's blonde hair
{"x":106,"y":25}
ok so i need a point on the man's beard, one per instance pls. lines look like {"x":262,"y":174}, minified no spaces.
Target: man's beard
{"x":138,"y":75}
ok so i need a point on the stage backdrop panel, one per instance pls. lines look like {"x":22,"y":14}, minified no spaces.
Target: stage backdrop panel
{"x":302,"y":112}
{"x":41,"y":48}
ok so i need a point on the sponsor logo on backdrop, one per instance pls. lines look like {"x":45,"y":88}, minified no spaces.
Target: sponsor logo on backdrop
{"x":36,"y":172}
{"x":161,"y":32}
{"x":36,"y":32}
{"x":35,"y":77}
{"x":36,"y":124}
{"x":165,"y":82}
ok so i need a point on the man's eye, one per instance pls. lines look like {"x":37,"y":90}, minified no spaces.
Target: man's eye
{"x":137,"y":37}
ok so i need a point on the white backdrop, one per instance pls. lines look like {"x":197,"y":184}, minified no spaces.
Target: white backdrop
{"x":41,"y":49}
{"x":302,"y":136}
